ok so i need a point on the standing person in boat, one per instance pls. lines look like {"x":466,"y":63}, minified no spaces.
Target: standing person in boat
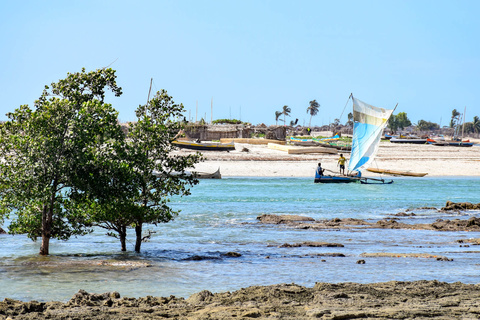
{"x":320,"y":170}
{"x":341,"y":162}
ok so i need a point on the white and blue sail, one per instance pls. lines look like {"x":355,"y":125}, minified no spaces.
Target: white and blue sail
{"x":369,"y":122}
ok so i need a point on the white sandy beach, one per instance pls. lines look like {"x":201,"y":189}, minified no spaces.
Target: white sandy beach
{"x":260,"y":161}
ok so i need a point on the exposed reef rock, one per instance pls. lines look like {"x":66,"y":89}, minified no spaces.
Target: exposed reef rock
{"x":389,"y":300}
{"x":471,"y":224}
{"x":460,"y":206}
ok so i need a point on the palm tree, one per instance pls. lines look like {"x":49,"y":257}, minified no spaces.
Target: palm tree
{"x":286,"y":112}
{"x":349,"y":120}
{"x":313,"y":110}
{"x":476,"y":124}
{"x":455,"y":118}
{"x":277,"y":115}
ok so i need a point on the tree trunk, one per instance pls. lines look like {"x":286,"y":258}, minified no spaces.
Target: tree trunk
{"x":123,"y":237}
{"x":46,"y":230}
{"x":138,"y":231}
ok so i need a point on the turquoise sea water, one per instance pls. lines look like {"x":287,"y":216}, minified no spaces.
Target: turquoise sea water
{"x":188,"y":254}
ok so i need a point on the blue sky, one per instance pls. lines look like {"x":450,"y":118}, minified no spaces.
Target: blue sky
{"x":251,"y":57}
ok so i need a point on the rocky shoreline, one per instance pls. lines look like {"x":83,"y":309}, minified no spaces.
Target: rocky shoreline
{"x":303,"y":222}
{"x":389,"y":300}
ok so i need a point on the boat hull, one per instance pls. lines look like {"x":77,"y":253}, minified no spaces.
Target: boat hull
{"x":415,"y":141}
{"x":452,"y":144}
{"x":206,"y":175}
{"x":205,"y":146}
{"x":397,"y":172}
{"x":335,"y":179}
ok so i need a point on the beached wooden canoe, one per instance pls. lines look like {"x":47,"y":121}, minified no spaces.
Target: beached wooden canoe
{"x":207,"y":175}
{"x":204,"y":146}
{"x":397,"y":172}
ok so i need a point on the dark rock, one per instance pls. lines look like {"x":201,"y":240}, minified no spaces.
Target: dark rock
{"x":200,"y":258}
{"x":232,"y":254}
{"x":327,"y":254}
{"x":279,"y":219}
{"x":460,"y":206}
{"x":404,"y":214}
{"x":444,"y":259}
{"x":361,"y":262}
{"x":311,"y":244}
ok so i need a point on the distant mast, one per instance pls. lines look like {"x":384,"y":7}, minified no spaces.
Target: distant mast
{"x":211,"y":111}
{"x":149,"y":90}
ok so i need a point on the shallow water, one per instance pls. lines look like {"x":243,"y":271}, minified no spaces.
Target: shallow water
{"x":220,"y":217}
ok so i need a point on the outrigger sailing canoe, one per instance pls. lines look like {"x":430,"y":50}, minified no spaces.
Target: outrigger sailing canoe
{"x":369,"y":122}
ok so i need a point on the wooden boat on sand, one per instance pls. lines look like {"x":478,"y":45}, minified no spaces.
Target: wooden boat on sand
{"x":450,"y":143}
{"x":409,"y":140}
{"x":204,"y":146}
{"x":207,"y":175}
{"x":397,"y":172}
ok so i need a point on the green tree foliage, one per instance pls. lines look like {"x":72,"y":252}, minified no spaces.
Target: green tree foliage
{"x":227,"y":121}
{"x":476,"y":124}
{"x":423,"y":125}
{"x":392,"y":124}
{"x":313,"y":110}
{"x":277,"y":116}
{"x":45,"y":152}
{"x":473,"y":127}
{"x":158,"y":174}
{"x":455,"y":118}
{"x":349,"y":120}
{"x":68,"y":166}
{"x":399,"y":121}
{"x":402,"y":120}
{"x":139,"y":191}
{"x":286,"y":112}
{"x":467,"y":127}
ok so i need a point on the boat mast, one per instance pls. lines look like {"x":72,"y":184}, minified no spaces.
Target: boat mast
{"x":149,"y":90}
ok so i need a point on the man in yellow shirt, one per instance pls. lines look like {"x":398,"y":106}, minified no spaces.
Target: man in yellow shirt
{"x":341,"y":162}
